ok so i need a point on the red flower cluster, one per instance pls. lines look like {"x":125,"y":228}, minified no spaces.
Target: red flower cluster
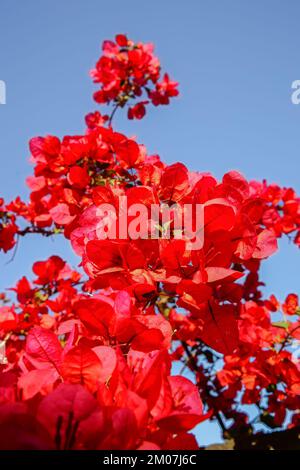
{"x":8,"y":228}
{"x":87,"y":356}
{"x":261,"y":372}
{"x":282,"y":214}
{"x":91,"y":372}
{"x":125,"y":71}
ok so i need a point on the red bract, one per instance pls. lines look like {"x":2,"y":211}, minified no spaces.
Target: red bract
{"x":86,"y":356}
{"x":291,"y":304}
{"x":8,"y":228}
{"x":82,"y":366}
{"x":174,"y":183}
{"x":137,"y":111}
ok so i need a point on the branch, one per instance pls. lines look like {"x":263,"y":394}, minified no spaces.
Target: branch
{"x":38,"y":230}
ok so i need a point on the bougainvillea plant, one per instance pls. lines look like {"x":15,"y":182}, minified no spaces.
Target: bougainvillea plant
{"x":87,"y":354}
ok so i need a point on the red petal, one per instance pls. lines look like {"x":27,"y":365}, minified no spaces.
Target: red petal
{"x":82,"y":366}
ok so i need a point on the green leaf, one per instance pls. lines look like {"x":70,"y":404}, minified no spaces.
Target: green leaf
{"x":281,"y":324}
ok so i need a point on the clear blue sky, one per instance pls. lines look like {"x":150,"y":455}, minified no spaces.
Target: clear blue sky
{"x":235,"y":61}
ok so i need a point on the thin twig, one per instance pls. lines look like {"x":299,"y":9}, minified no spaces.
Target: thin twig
{"x":113,"y":113}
